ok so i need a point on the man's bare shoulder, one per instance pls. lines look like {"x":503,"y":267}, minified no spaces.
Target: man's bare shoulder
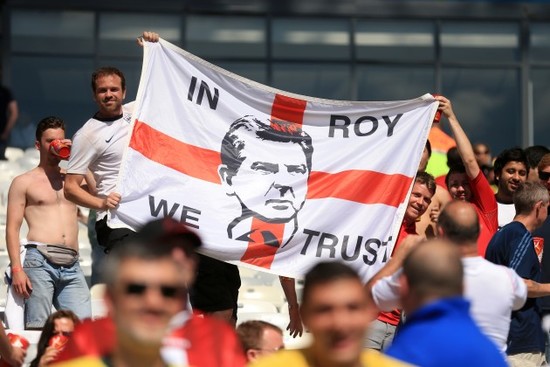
{"x":26,"y":178}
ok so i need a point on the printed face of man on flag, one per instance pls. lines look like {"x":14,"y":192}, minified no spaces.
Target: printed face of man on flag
{"x":266,"y":167}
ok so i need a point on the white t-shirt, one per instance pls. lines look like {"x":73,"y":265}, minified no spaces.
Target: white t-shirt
{"x":99,"y":146}
{"x":493,"y":290}
{"x":506,"y":214}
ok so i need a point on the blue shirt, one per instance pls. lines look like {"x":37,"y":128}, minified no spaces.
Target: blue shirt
{"x":513,"y":246}
{"x":443,"y":333}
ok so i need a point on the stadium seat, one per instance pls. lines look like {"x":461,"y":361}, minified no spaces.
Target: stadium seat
{"x":273,"y":294}
{"x":13,"y":153}
{"x":252,"y":305}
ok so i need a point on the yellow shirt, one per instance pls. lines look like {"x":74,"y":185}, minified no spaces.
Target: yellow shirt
{"x":86,"y":361}
{"x":296,"y":358}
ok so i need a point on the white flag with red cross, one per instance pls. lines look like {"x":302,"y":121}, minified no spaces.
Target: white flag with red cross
{"x":269,"y":179}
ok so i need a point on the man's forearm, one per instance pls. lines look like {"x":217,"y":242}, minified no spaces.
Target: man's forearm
{"x":536,"y":290}
{"x":13,"y":245}
{"x":80,"y":196}
{"x":289,"y":289}
{"x":464,"y":147}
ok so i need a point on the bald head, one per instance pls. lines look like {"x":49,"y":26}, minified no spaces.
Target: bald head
{"x":432,"y":271}
{"x":459,"y":223}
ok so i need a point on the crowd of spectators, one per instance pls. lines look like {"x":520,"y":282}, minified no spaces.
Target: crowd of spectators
{"x":467,"y":283}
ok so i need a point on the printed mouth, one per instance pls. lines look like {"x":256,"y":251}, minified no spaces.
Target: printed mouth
{"x":279,"y":204}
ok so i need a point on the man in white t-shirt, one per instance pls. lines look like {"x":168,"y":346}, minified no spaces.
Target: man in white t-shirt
{"x":98,"y":146}
{"x":493,"y":290}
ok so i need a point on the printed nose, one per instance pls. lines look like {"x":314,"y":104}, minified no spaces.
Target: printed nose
{"x":283,"y":189}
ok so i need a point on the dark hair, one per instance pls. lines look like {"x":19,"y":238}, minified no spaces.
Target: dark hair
{"x":429,"y":147}
{"x":425,"y":178}
{"x":453,"y":158}
{"x":460,"y":169}
{"x":48,"y":330}
{"x":50,"y":122}
{"x":131,"y":249}
{"x":108,"y":70}
{"x":534,"y":154}
{"x":326,"y":272}
{"x":510,"y":155}
{"x":544,"y":162}
{"x":250,"y":333}
{"x":459,"y":232}
{"x":278,"y":131}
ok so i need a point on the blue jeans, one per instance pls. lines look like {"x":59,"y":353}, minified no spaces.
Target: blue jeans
{"x":64,"y":287}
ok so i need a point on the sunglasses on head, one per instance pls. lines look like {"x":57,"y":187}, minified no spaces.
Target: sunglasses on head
{"x":167,"y":291}
{"x":544,"y":176}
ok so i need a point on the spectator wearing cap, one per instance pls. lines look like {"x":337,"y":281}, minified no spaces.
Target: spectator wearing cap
{"x":146,"y":296}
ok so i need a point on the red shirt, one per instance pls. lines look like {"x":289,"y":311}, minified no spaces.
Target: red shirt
{"x":483,"y":199}
{"x":209,"y":342}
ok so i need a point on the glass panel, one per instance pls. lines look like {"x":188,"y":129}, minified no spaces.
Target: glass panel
{"x":540,"y":42}
{"x":250,"y":70}
{"x":487,"y":103}
{"x":541,"y":108}
{"x":214,"y":36}
{"x":311,"y":39}
{"x":380,"y":83}
{"x":479,"y":42}
{"x":118,"y":32}
{"x":395,"y":41}
{"x":52,"y":32}
{"x":45,"y":86}
{"x":323,"y":81}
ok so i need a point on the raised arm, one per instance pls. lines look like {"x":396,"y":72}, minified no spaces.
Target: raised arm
{"x":462,"y":142}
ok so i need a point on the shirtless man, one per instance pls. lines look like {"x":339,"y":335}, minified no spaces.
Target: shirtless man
{"x":426,"y":224}
{"x":50,"y":273}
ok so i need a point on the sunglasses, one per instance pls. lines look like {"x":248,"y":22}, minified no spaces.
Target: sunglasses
{"x":544,"y":176}
{"x":167,"y":291}
{"x":64,"y":333}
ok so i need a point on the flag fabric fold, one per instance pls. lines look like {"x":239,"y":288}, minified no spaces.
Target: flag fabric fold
{"x":269,"y":179}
